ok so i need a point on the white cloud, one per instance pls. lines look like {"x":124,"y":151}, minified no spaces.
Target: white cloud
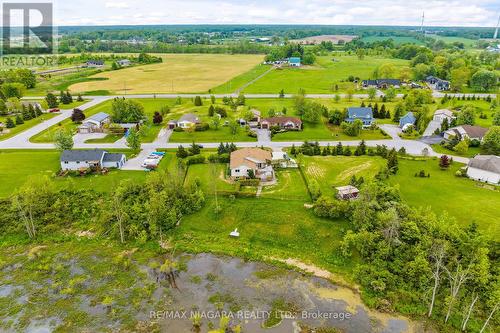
{"x":365,"y":12}
{"x":120,"y":5}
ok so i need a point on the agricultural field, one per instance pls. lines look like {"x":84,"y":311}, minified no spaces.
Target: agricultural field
{"x":179,"y":73}
{"x":461,"y":198}
{"x":322,"y":77}
{"x":469,"y":43}
{"x":398,"y":40}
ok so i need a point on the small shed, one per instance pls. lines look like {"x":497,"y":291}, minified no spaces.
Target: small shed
{"x":348,"y":192}
{"x":294,"y":62}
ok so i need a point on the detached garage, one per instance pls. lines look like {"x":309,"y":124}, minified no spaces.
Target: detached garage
{"x":485,"y":168}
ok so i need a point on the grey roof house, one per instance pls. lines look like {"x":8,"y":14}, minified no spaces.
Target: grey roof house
{"x":91,"y":158}
{"x":363,"y":114}
{"x":407,"y":119}
{"x":94,"y":123}
{"x":484,"y":168}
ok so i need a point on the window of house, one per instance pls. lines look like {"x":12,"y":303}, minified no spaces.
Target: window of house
{"x":237,"y":170}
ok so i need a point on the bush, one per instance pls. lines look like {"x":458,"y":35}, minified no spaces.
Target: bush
{"x":196,"y":159}
{"x":178,"y":129}
{"x":202,"y":127}
{"x":331,"y":208}
{"x":249,"y":182}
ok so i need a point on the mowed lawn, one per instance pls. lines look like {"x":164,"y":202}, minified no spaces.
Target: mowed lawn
{"x":16,"y":166}
{"x":178,"y":73}
{"x":290,"y":186}
{"x":461,"y":198}
{"x":23,"y":127}
{"x":322,"y":77}
{"x":334,"y":171}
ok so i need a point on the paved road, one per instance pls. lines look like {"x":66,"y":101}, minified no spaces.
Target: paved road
{"x":21,"y":141}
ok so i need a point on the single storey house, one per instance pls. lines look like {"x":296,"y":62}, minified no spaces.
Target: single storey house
{"x":466,"y":132}
{"x":407,"y":119}
{"x":288,"y":123}
{"x":124,"y":62}
{"x":94,"y":158}
{"x":381,"y":83}
{"x":95,"y":123}
{"x":437,"y":83}
{"x":484,"y":168}
{"x":294,"y":62}
{"x":94,"y":63}
{"x":188,"y":120}
{"x":363,"y":114}
{"x":254,"y":159}
{"x":441,"y":115}
{"x":348,"y":192}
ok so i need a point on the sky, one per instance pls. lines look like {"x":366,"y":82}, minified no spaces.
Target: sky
{"x":329,"y":12}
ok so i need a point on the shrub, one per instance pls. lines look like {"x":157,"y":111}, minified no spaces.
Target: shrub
{"x":202,"y":127}
{"x":196,"y":159}
{"x":178,"y":129}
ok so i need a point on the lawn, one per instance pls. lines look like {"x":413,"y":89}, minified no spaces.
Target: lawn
{"x":178,"y":73}
{"x":17,"y":165}
{"x":324,"y":131}
{"x":481,"y":107}
{"x":150,"y":133}
{"x":23,"y":127}
{"x":268,"y":228}
{"x":461,"y":198}
{"x":110,"y":138}
{"x":240,"y":80}
{"x":290,"y":186}
{"x":322,"y":77}
{"x":473,"y":151}
{"x":211,"y":177}
{"x":333,"y":171}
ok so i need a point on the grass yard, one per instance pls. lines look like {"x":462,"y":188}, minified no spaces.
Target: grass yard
{"x":110,"y":138}
{"x":473,"y":151}
{"x":23,"y":127}
{"x":268,"y":228}
{"x":290,"y":186}
{"x":461,"y":198}
{"x":481,"y":107}
{"x":333,"y":171}
{"x":323,"y":76}
{"x":240,"y":80}
{"x":179,"y":73}
{"x":17,"y":165}
{"x":211,"y":177}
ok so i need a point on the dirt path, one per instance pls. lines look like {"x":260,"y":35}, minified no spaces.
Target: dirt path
{"x":254,"y":80}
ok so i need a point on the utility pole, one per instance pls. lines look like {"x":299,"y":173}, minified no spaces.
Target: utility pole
{"x":422,"y":26}
{"x":495,"y":36}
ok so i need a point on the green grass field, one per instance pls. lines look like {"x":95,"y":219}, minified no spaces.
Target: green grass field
{"x":469,"y":43}
{"x":323,"y":76}
{"x":240,"y":80}
{"x":398,"y":40}
{"x":461,"y":198}
{"x":290,"y":186}
{"x":473,"y":151}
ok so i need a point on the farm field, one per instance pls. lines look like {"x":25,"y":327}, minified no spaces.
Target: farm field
{"x":322,"y":77}
{"x":179,"y":73}
{"x":461,"y":198}
{"x":469,"y":43}
{"x":398,"y":40}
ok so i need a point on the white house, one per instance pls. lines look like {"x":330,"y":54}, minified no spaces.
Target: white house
{"x":95,"y":123}
{"x":188,"y":120}
{"x":441,"y":115}
{"x":124,"y":62}
{"x":484,"y":168}
{"x":466,"y":131}
{"x":95,"y":158}
{"x":255,"y":159}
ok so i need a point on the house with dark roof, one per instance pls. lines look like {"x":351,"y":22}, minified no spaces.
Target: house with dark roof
{"x":95,"y":123}
{"x":91,"y":158}
{"x":437,"y":83}
{"x":485,"y":168}
{"x":286,"y":123}
{"x":466,"y":132}
{"x":94,"y":63}
{"x":407,"y":119}
{"x":294,"y":62}
{"x":363,"y":114}
{"x":381,"y":83}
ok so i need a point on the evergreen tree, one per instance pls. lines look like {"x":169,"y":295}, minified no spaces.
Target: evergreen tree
{"x":77,"y":116}
{"x":51,"y":100}
{"x":381,"y":114}
{"x":340,"y":149}
{"x":221,"y":149}
{"x":347,"y":151}
{"x":9,"y":123}
{"x":194,"y":149}
{"x":198,"y":101}
{"x":392,"y":161}
{"x":69,"y":98}
{"x":211,"y":111}
{"x":293,"y":151}
{"x":19,"y":120}
{"x":181,"y":152}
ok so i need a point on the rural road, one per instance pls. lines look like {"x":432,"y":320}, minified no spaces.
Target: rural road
{"x":21,"y":141}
